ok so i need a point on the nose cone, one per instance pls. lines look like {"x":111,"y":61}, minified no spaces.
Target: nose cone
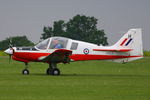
{"x":9,"y":51}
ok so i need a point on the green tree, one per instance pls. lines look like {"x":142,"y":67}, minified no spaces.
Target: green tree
{"x":59,"y":28}
{"x":15,"y":41}
{"x":47,"y":32}
{"x":79,"y":28}
{"x":84,"y":28}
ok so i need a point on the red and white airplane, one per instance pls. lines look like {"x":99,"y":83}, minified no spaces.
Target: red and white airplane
{"x":56,"y":50}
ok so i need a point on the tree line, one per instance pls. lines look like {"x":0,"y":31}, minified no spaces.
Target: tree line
{"x":15,"y":41}
{"x":80,"y":27}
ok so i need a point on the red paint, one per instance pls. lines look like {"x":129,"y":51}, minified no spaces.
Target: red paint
{"x":30,"y":56}
{"x":18,"y":59}
{"x":123,"y":41}
{"x":34,"y":56}
{"x":62,"y":50}
{"x":125,"y":50}
{"x":98,"y":57}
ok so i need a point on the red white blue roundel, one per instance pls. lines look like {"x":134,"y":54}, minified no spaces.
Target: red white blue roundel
{"x":86,"y":51}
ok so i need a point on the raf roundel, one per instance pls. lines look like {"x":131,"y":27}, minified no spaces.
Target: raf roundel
{"x":86,"y":51}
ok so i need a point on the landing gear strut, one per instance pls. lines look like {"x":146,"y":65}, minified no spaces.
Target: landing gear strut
{"x":53,"y":70}
{"x":25,"y":71}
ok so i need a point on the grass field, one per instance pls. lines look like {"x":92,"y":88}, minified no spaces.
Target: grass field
{"x":89,"y":80}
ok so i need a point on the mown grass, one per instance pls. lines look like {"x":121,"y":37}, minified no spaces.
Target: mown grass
{"x":147,"y":53}
{"x":88,"y":80}
{"x":3,"y":54}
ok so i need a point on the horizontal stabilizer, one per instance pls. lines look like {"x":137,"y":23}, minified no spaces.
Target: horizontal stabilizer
{"x":115,"y":50}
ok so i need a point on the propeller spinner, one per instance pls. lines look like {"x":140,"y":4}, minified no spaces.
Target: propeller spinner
{"x":10,"y":50}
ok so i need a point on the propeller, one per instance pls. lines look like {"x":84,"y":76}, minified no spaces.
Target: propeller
{"x":10,"y":50}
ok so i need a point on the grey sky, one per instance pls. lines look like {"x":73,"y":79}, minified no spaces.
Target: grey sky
{"x":27,"y":17}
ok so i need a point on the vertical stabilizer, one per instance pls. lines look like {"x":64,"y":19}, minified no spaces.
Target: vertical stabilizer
{"x":132,"y":40}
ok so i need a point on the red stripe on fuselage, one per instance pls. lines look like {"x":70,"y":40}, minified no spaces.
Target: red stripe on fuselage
{"x":30,"y":56}
{"x":123,"y":41}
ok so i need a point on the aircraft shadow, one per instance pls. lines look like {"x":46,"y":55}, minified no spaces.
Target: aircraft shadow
{"x":94,"y":75}
{"x":105,"y":75}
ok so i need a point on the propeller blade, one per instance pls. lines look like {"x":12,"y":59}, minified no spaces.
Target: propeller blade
{"x":10,"y":51}
{"x":10,"y":42}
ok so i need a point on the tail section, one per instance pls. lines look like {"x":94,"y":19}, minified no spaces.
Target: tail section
{"x":131,"y":40}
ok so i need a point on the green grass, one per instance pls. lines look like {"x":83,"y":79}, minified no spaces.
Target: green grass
{"x":89,"y":80}
{"x":3,"y":54}
{"x":147,"y":53}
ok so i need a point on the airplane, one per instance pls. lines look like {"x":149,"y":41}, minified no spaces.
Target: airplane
{"x":56,"y":50}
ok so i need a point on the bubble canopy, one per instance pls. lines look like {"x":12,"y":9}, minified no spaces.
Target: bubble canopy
{"x":53,"y":43}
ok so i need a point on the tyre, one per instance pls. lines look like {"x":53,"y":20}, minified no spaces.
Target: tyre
{"x":25,"y":72}
{"x":55,"y":71}
{"x":49,"y":72}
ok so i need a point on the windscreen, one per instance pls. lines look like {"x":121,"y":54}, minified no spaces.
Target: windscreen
{"x":43,"y":45}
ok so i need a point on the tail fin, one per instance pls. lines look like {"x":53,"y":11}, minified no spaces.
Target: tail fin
{"x":132,"y":40}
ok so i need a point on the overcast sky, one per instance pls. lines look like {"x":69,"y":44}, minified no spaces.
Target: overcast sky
{"x":116,"y":17}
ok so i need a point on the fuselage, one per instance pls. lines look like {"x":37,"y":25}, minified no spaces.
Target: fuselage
{"x":81,"y":51}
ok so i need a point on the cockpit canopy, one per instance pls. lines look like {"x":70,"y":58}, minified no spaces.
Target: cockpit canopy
{"x":53,"y":43}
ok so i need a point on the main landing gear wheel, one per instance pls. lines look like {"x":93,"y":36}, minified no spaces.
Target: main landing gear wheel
{"x":25,"y":72}
{"x":54,"y":71}
{"x":48,"y":71}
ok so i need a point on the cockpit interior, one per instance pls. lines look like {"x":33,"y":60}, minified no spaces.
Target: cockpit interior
{"x":52,"y":43}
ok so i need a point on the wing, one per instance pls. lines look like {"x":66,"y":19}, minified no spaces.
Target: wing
{"x":115,"y":50}
{"x":59,"y":55}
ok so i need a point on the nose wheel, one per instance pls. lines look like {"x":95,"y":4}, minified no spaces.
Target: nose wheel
{"x":25,"y":71}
